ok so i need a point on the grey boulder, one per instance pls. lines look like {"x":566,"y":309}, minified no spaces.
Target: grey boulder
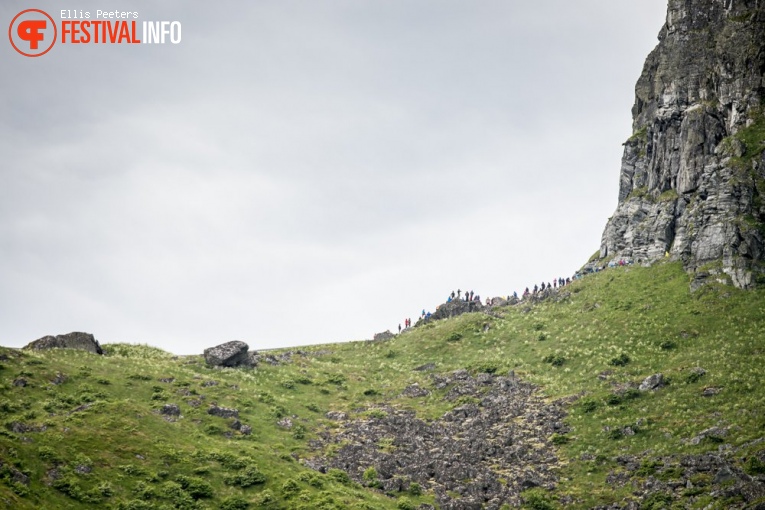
{"x":230,"y":354}
{"x":652,"y":382}
{"x":74,"y":340}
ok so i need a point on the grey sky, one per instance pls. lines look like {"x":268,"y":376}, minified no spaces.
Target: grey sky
{"x":299,"y":172}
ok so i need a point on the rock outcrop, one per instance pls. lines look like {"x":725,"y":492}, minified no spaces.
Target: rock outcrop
{"x":75,"y":340}
{"x":381,"y":337}
{"x":453,"y":308}
{"x":693,"y":173}
{"x":230,"y":354}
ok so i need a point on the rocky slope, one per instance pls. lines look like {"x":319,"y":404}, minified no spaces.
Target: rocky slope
{"x":481,"y":454}
{"x":693,"y":173}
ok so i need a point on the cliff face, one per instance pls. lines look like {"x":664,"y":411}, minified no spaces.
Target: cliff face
{"x":693,"y":173}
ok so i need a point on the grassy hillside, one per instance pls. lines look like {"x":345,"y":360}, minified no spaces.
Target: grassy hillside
{"x":87,"y":431}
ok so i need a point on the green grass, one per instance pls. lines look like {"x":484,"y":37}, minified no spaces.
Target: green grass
{"x":626,"y":323}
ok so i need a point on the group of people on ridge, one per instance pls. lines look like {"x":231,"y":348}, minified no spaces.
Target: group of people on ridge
{"x":469,"y":296}
{"x":559,"y":282}
{"x":537,"y":289}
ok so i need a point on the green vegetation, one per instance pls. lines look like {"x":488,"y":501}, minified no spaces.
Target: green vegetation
{"x":639,"y":136}
{"x":99,"y":439}
{"x":668,"y":196}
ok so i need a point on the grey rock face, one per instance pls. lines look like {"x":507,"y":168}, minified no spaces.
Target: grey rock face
{"x":75,"y":340}
{"x":652,"y":382}
{"x":230,"y":354}
{"x":693,"y":173}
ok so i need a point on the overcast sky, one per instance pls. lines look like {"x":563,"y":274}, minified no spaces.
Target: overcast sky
{"x":308,"y":171}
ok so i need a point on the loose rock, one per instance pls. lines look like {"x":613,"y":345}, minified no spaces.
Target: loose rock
{"x":652,"y":383}
{"x":223,"y":412}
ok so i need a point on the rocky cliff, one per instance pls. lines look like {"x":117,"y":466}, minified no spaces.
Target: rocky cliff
{"x":693,"y":172}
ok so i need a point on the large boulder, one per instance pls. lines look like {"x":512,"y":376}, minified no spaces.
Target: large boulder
{"x":74,"y":340}
{"x":385,"y":335}
{"x":230,"y":354}
{"x":652,"y":382}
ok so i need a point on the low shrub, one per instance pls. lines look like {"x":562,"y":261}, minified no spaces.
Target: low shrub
{"x":559,"y":439}
{"x":555,"y":360}
{"x":588,"y":405}
{"x":537,"y":499}
{"x":234,"y":503}
{"x":405,"y":504}
{"x":620,"y":360}
{"x":195,"y":487}
{"x":290,"y":488}
{"x":339,"y":476}
{"x":754,"y":466}
{"x":337,"y":379}
{"x":667,"y":345}
{"x":454,"y":337}
{"x":246,"y":478}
